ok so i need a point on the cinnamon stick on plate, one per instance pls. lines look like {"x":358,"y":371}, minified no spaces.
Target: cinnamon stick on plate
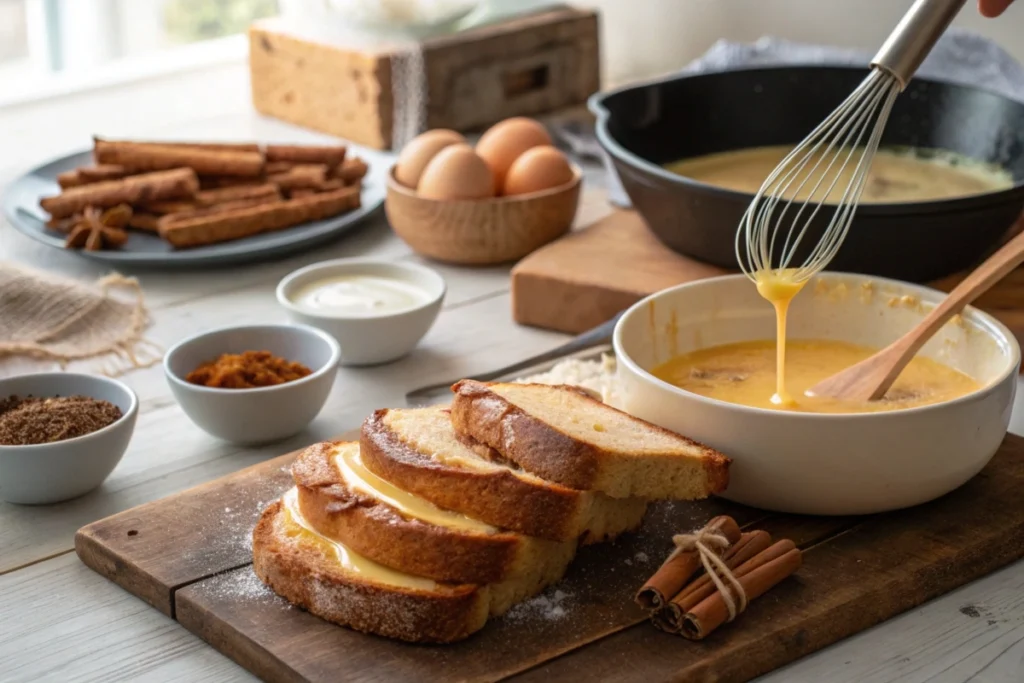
{"x":302,"y":176}
{"x":172,"y":184}
{"x":331,"y":155}
{"x":138,"y":156}
{"x":227,"y":194}
{"x":215,"y":210}
{"x":147,"y":222}
{"x":351,"y":170}
{"x":680,"y":567}
{"x":229,"y":225}
{"x":215,"y":146}
{"x":100,"y":172}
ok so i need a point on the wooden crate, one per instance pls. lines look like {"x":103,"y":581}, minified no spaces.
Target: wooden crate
{"x":526,"y":66}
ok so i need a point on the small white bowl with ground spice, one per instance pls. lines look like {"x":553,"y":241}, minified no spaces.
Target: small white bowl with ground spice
{"x":61,"y":434}
{"x":253,"y":384}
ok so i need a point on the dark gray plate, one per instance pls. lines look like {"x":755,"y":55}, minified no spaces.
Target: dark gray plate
{"x":21,"y":206}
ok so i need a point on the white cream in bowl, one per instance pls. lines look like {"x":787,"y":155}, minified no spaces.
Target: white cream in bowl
{"x":377,"y":310}
{"x":809,"y":463}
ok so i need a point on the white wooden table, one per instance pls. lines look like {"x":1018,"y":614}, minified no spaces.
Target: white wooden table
{"x":61,"y":622}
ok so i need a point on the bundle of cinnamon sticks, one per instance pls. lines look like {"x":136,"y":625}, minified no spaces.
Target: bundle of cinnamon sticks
{"x":194,"y":194}
{"x":684,"y":599}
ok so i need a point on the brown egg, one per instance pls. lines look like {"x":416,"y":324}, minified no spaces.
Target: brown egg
{"x":456,"y":172}
{"x":540,"y":168}
{"x":504,"y":142}
{"x":419,"y":151}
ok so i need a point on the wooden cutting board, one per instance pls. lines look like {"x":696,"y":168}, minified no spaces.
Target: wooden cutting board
{"x":188,"y":556}
{"x":586,"y":277}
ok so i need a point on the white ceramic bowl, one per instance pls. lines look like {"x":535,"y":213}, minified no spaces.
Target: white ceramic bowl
{"x":369,"y":338}
{"x":817,"y":463}
{"x":53,"y":472}
{"x":263,"y":414}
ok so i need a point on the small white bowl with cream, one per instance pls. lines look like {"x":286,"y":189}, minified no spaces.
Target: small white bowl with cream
{"x":940,"y":428}
{"x":377,"y":310}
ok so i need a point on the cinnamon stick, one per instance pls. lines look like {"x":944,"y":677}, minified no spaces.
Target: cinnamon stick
{"x":671,"y":616}
{"x":680,"y":567}
{"x":272,"y":167}
{"x":756,"y":576}
{"x":101,"y":172}
{"x":147,"y":222}
{"x":331,"y":155}
{"x":213,"y":146}
{"x":229,"y":225}
{"x":216,"y":209}
{"x":162,"y":207}
{"x":90,"y":174}
{"x":171,"y":184}
{"x":301,"y":192}
{"x":302,"y":176}
{"x":227,"y":194}
{"x":214,"y":182}
{"x":70,"y":178}
{"x":350,"y":170}
{"x":144,"y":156}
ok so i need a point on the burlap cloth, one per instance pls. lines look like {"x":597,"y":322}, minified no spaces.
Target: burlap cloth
{"x":48,"y":317}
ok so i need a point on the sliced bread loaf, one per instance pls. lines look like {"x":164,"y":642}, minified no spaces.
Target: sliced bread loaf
{"x":335,"y":583}
{"x":344,"y":501}
{"x":417,"y":450}
{"x":564,"y":435}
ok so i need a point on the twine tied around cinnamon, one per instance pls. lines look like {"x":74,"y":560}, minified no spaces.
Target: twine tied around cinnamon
{"x":706,"y":542}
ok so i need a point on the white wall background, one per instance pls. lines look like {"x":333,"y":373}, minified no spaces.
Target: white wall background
{"x":648,"y":37}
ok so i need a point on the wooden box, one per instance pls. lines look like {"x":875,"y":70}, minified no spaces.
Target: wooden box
{"x":527,"y":65}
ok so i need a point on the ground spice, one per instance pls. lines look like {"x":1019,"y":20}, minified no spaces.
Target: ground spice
{"x":247,"y":370}
{"x":29,"y":420}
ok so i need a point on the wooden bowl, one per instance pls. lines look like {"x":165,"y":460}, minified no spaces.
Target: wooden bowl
{"x":481,"y":231}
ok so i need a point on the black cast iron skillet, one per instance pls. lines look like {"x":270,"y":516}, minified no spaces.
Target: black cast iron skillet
{"x":643,"y":126}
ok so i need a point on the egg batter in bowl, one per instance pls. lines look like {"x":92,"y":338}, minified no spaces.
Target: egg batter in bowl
{"x":744,"y":373}
{"x":819,"y":459}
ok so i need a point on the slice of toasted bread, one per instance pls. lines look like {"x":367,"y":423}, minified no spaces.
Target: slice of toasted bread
{"x":346,"y":502}
{"x":417,"y":450}
{"x":564,"y":435}
{"x":337,"y":584}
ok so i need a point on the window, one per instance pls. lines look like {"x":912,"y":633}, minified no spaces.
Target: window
{"x":50,"y":41}
{"x":13,"y":32}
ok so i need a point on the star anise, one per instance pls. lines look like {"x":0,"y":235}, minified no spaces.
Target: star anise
{"x":97,"y":229}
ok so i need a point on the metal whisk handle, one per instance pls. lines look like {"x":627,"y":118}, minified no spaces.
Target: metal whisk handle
{"x":913,"y":38}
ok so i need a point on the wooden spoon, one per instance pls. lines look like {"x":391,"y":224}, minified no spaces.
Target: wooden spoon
{"x":869,"y":379}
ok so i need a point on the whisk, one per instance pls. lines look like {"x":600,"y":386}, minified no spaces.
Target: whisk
{"x":810,"y":176}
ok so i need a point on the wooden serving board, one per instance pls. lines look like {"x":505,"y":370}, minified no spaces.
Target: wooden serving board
{"x":188,"y":556}
{"x":586,"y":277}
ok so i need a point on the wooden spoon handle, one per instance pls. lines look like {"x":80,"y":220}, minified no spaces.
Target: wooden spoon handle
{"x":994,"y":269}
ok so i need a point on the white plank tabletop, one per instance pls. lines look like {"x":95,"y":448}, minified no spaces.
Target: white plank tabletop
{"x":61,"y":622}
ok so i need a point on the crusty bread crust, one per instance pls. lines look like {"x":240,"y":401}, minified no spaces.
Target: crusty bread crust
{"x":309,"y":580}
{"x":381,"y":533}
{"x":540,"y":448}
{"x":501,"y":497}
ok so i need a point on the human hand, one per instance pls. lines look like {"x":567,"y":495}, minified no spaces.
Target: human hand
{"x":993,"y":8}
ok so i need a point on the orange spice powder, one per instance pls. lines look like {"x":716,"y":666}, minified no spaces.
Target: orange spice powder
{"x":247,"y":370}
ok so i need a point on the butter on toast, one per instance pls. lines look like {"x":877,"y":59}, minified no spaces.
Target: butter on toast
{"x":417,"y":450}
{"x":337,"y":584}
{"x":344,"y":501}
{"x":564,"y":435}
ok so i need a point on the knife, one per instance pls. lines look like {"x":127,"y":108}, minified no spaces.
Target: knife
{"x":600,"y":335}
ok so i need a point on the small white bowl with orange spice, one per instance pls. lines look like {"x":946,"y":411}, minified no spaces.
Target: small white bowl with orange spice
{"x":253,"y":384}
{"x":493,"y":203}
